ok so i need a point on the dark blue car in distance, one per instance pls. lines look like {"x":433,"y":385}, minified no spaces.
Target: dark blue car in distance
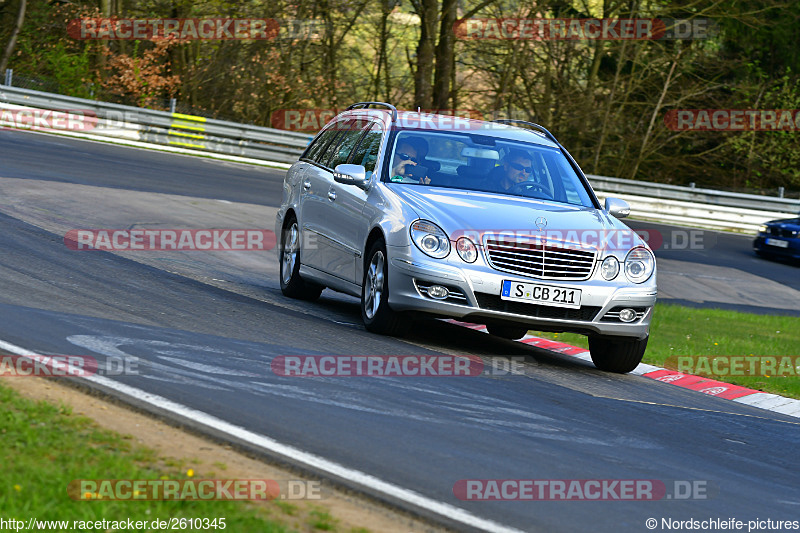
{"x":779,"y":238}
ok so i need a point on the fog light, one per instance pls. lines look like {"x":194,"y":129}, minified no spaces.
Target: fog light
{"x":438,"y":292}
{"x":627,"y":315}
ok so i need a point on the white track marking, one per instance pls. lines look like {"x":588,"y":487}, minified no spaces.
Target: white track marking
{"x":316,"y":462}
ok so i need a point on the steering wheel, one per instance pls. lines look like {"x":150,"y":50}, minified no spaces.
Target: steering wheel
{"x":525,"y":186}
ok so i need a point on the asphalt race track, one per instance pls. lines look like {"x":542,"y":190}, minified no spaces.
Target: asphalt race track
{"x":203,"y":329}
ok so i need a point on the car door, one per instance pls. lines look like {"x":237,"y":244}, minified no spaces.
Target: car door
{"x":335,"y":255}
{"x":346,"y":202}
{"x":314,"y":187}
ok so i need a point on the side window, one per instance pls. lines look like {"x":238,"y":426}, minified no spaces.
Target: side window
{"x":366,"y":153}
{"x":342,"y":128}
{"x":540,"y":173}
{"x":316,"y":149}
{"x":568,"y":186}
{"x":571,"y":194}
{"x":350,"y":139}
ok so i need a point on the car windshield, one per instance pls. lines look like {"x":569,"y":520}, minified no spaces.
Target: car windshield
{"x":478,"y":162}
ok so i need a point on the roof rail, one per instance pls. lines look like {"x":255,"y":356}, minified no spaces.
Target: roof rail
{"x":365,"y":105}
{"x":532,"y":124}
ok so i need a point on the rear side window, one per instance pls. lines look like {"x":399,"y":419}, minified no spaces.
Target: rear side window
{"x":320,"y":143}
{"x":366,"y":153}
{"x":341,"y":129}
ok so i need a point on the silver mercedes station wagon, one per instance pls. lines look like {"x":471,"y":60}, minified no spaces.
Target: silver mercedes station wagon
{"x":491,"y":223}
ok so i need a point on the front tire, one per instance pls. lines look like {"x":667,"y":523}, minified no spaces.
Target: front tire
{"x":292,"y":285}
{"x":616,"y":354}
{"x":378,"y":317}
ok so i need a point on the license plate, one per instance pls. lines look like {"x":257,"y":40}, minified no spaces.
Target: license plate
{"x":778,"y":243}
{"x":541,"y":294}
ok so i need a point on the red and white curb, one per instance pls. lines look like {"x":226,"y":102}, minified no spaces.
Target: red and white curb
{"x":712,"y":387}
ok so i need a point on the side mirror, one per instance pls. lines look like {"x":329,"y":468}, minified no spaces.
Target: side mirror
{"x":617,"y":208}
{"x":350,"y":175}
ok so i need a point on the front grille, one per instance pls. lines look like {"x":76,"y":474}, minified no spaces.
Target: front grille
{"x":540,"y":259}
{"x":782,"y":232}
{"x":493,"y":302}
{"x":613,"y":314}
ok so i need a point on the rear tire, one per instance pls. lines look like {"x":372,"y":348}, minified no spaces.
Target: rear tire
{"x":507,"y":332}
{"x":292,"y":285}
{"x":378,"y":317}
{"x":616,"y":354}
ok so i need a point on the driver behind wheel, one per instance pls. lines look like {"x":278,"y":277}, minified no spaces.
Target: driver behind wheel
{"x":410,"y":152}
{"x":516,"y":168}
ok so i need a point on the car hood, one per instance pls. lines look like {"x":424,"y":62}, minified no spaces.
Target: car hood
{"x":790,"y":223}
{"x":461,"y":212}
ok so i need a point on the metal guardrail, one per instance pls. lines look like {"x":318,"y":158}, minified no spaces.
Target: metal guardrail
{"x":667,"y":203}
{"x":694,"y":195}
{"x":170,"y":129}
{"x":705,"y":208}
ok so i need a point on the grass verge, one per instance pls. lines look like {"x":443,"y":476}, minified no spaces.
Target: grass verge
{"x":46,"y":446}
{"x":684,"y":331}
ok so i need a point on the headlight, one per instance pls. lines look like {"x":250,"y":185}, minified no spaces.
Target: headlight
{"x":610,"y":268}
{"x":430,"y":239}
{"x":466,"y":250}
{"x":763,"y":228}
{"x":639,"y":265}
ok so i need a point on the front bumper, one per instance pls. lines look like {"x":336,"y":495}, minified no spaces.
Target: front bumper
{"x":792,"y":249}
{"x":475,"y":296}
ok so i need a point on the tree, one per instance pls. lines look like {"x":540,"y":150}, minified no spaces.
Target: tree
{"x":12,"y":41}
{"x":428,"y":12}
{"x":445,"y":56}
